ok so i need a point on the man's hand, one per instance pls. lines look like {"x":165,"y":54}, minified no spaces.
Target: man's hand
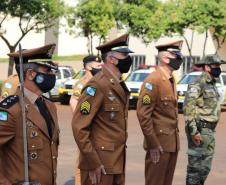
{"x":95,"y":175}
{"x":155,"y":154}
{"x":196,"y":139}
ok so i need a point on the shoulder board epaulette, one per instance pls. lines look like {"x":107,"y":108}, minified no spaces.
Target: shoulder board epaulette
{"x":9,"y":101}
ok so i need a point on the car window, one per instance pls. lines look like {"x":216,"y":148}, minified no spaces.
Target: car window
{"x":224,"y":79}
{"x":187,"y":79}
{"x":66,"y":73}
{"x":72,"y":71}
{"x":58,"y":75}
{"x":136,"y":77}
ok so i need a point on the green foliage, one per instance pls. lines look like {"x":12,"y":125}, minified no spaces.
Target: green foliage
{"x":32,"y":15}
{"x":95,"y":17}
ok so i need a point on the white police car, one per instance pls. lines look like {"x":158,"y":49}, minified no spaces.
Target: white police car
{"x":182,"y":86}
{"x":134,"y":82}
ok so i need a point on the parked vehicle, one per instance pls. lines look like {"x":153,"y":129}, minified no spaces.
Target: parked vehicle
{"x":182,"y":86}
{"x":64,"y":73}
{"x":66,"y":89}
{"x":134,"y":82}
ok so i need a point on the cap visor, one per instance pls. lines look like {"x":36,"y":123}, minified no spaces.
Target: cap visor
{"x":123,"y":50}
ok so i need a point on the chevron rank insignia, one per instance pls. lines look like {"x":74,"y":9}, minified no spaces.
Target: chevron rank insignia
{"x":146,"y":100}
{"x":85,"y":108}
{"x":3,"y":116}
{"x":91,"y":91}
{"x":148,"y":86}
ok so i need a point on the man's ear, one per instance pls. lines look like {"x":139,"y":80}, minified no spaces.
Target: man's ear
{"x":30,"y":74}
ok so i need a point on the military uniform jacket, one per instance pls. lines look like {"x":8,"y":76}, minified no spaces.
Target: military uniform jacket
{"x":100,"y":123}
{"x":42,"y":150}
{"x":157,"y":112}
{"x":202,"y":102}
{"x":80,"y":84}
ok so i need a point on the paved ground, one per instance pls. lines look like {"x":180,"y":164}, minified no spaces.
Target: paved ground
{"x":135,"y":153}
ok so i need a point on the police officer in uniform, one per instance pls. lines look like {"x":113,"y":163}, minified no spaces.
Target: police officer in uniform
{"x":9,"y":86}
{"x":202,"y":113}
{"x":41,"y":120}
{"x":100,"y":118}
{"x":92,"y":65}
{"x":157,"y":114}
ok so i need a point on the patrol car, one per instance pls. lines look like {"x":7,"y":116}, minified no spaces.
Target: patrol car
{"x":66,"y":89}
{"x":134,"y":82}
{"x":193,"y":76}
{"x":64,"y":73}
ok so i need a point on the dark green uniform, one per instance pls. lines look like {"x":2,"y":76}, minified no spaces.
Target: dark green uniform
{"x":202,"y":112}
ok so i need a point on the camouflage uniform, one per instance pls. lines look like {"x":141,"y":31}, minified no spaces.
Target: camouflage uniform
{"x":202,"y":112}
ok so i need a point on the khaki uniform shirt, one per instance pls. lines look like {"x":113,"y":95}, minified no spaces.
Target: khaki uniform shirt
{"x":157,"y":112}
{"x":9,"y":86}
{"x":80,"y":84}
{"x":100,"y":123}
{"x":42,"y":150}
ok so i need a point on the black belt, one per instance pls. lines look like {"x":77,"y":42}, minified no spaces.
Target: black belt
{"x":205,"y":124}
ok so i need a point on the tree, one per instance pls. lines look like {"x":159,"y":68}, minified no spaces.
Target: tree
{"x":31,"y":15}
{"x":94,"y":18}
{"x":135,"y":15}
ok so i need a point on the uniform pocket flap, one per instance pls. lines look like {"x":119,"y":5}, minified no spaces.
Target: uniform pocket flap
{"x":166,"y":98}
{"x":111,"y":107}
{"x":105,"y":146}
{"x":166,"y":131}
{"x":35,"y":144}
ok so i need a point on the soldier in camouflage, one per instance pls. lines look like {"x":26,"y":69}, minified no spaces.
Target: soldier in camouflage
{"x":202,"y":113}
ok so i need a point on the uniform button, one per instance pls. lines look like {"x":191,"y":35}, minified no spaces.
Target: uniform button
{"x":112,"y":108}
{"x":102,"y":148}
{"x":160,"y":131}
{"x":33,"y":146}
{"x":54,"y":171}
{"x":165,"y":103}
{"x":52,"y":142}
{"x":54,"y":157}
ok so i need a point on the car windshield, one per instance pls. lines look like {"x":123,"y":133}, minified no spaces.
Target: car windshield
{"x":136,"y":77}
{"x":79,"y":75}
{"x":187,"y":79}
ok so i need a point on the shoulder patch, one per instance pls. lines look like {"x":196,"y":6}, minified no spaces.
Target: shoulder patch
{"x":91,"y":91}
{"x":9,"y":101}
{"x":146,"y":100}
{"x":8,"y":85}
{"x":3,"y":116}
{"x":148,"y":86}
{"x":85,"y":108}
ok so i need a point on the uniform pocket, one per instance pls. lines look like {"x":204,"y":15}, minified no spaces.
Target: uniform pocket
{"x":35,"y":149}
{"x":112,"y":111}
{"x":111,"y":107}
{"x":105,"y":151}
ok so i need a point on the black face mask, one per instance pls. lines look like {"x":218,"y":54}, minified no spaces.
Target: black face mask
{"x":215,"y":71}
{"x":45,"y":82}
{"x":175,"y":63}
{"x":94,"y":71}
{"x":124,"y":64}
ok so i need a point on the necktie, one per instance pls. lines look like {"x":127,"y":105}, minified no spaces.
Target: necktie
{"x":45,"y":114}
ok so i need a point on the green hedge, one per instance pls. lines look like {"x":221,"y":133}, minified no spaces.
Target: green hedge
{"x":1,"y":86}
